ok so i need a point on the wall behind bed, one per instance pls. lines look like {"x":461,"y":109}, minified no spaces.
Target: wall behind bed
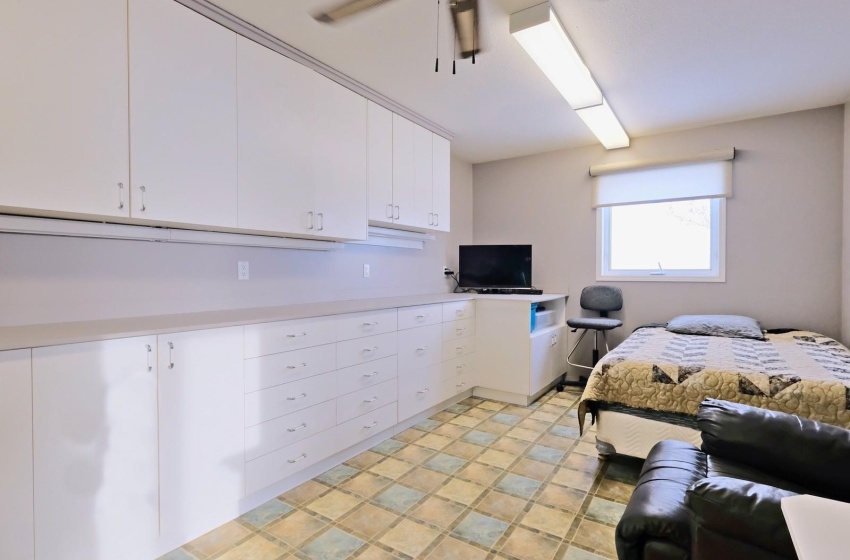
{"x":784,"y":222}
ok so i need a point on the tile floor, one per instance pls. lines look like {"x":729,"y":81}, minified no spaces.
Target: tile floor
{"x":479,"y":480}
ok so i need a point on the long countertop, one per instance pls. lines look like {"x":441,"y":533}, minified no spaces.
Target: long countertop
{"x":54,"y":334}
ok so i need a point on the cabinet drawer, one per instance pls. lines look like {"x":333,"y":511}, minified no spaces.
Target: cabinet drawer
{"x":366,"y":400}
{"x":419,"y":348}
{"x":458,"y":310}
{"x":271,"y":338}
{"x":286,"y":430}
{"x":365,"y":375}
{"x":275,"y":402}
{"x":369,"y":424}
{"x":419,"y":316}
{"x":358,"y":351}
{"x":418,"y":391}
{"x":285,"y":462}
{"x":451,"y":387}
{"x":459,"y":366}
{"x":277,"y":369}
{"x":458,"y":348}
{"x":358,"y":325}
{"x":458,"y":329}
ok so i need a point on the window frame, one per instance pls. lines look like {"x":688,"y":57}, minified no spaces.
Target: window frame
{"x":718,"y":252}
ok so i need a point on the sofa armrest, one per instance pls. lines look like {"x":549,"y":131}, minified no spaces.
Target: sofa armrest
{"x":808,"y":453}
{"x":740,"y":510}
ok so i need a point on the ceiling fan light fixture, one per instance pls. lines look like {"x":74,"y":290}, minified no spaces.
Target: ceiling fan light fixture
{"x":544,"y":38}
{"x":603,"y":123}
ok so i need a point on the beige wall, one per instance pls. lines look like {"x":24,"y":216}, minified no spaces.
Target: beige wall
{"x":44,"y":279}
{"x":783,"y":242}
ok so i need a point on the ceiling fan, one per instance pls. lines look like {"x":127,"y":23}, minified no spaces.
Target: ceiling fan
{"x":464,"y":18}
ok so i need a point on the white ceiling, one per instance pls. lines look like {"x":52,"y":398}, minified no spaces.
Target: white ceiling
{"x":662,"y":64}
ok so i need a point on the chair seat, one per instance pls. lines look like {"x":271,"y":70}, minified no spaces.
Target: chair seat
{"x":594,"y":323}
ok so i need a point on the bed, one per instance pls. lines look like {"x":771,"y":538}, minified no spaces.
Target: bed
{"x":650,"y":386}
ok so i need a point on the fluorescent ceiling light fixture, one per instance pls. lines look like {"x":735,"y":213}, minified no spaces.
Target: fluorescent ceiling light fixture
{"x":543,"y":37}
{"x":602,"y":122}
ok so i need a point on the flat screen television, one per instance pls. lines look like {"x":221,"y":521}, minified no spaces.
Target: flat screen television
{"x":494,"y":266}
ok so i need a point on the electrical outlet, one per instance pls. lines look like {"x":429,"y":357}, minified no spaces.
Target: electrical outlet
{"x":366,"y":271}
{"x":242,"y":270}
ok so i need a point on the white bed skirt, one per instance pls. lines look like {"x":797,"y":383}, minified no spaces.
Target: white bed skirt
{"x":624,"y":434}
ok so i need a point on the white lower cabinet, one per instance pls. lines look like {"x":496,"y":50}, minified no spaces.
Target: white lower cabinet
{"x":277,"y":465}
{"x":95,"y":450}
{"x":366,"y":400}
{"x":201,"y":436}
{"x":277,"y":369}
{"x":361,"y":350}
{"x":281,"y":400}
{"x":418,"y":391}
{"x":356,"y":430}
{"x":16,"y":484}
{"x":365,"y":375}
{"x":286,"y":430}
{"x":420,"y":348}
{"x":548,"y":353}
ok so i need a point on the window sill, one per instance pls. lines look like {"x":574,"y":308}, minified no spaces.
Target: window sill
{"x":659,"y":278}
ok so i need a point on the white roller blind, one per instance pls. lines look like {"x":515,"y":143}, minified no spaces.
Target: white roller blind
{"x":619,"y":184}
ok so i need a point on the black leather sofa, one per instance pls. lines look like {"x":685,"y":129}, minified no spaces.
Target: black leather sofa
{"x":723,"y":502}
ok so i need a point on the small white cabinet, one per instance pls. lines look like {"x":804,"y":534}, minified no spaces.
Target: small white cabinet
{"x":182,"y":116}
{"x":423,"y":177}
{"x":404,"y":172}
{"x":442,"y":183}
{"x":63,"y":107}
{"x":380,"y":163}
{"x":95,"y":450}
{"x":16,"y":480}
{"x":201,"y":440}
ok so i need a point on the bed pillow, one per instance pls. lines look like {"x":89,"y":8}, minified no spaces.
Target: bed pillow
{"x":732,"y":326}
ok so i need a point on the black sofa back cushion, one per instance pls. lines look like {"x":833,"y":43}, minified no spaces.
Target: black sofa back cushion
{"x":802,"y":451}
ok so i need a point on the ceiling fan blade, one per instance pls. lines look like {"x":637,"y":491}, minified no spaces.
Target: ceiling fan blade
{"x":346,"y":9}
{"x":465,"y":19}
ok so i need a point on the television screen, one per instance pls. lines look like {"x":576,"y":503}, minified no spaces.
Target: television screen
{"x":495,"y":266}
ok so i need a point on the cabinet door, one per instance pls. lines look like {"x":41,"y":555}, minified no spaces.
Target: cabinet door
{"x":201,"y":408}
{"x":16,"y":487}
{"x":404,"y":188}
{"x":423,"y":177}
{"x":442,"y":183}
{"x":182,"y":115}
{"x":340,"y":162}
{"x":380,"y":167}
{"x":95,"y":452}
{"x":276,"y":139}
{"x":63,"y":107}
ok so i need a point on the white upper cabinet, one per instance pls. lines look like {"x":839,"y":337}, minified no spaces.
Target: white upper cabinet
{"x":95,"y":451}
{"x":182,"y":116}
{"x":442,"y":183}
{"x":63,"y":107}
{"x":404,"y":185}
{"x":380,"y":168}
{"x":302,"y":149}
{"x":423,"y":177}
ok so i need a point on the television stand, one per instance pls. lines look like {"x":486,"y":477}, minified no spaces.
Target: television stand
{"x":510,"y":291}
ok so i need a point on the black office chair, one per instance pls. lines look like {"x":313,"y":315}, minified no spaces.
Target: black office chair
{"x":602,"y":299}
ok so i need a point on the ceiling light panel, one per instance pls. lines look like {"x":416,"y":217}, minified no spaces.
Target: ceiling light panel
{"x":602,"y":121}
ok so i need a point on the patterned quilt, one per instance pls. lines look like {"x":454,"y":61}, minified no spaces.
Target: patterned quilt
{"x":798,"y":372}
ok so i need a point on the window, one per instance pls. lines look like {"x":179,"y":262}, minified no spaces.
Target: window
{"x":672,"y":240}
{"x":663,"y":220}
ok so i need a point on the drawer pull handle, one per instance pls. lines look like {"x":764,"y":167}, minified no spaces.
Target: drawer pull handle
{"x":299,"y":458}
{"x":370,"y":324}
{"x":304,"y":364}
{"x":421,"y":348}
{"x":461,"y":385}
{"x":370,"y":350}
{"x":458,"y":312}
{"x":296,"y":428}
{"x":296,"y":335}
{"x":459,"y":367}
{"x":370,"y":426}
{"x":422,"y":316}
{"x":373,"y":399}
{"x":373,"y":374}
{"x":295,"y":398}
{"x":460,"y":348}
{"x":460,"y":330}
{"x":422,"y":391}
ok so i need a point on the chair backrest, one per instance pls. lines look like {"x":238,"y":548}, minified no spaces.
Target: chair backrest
{"x":602,"y":299}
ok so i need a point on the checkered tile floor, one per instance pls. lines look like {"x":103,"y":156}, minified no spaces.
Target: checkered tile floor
{"x":479,"y":480}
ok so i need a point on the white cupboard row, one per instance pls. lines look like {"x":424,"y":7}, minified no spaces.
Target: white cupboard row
{"x":221,"y":132}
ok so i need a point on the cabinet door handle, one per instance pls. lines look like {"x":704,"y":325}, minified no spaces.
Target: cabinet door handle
{"x":422,"y":391}
{"x":299,"y":458}
{"x":370,"y":324}
{"x":437,"y":219}
{"x":296,"y":397}
{"x":421,"y":348}
{"x":321,"y":221}
{"x":150,"y":351}
{"x":458,"y":312}
{"x":373,"y":374}
{"x":296,"y":428}
{"x":170,"y":355}
{"x":459,"y":367}
{"x":422,"y":316}
{"x":370,"y":426}
{"x":430,"y":219}
{"x":397,"y":213}
{"x":310,"y":215}
{"x":461,"y":385}
{"x":390,"y":211}
{"x":144,"y":190}
{"x":367,"y":401}
{"x":460,"y":348}
{"x":120,"y":196}
{"x":302,"y":364}
{"x":370,"y":350}
{"x":296,"y":335}
{"x":460,"y":330}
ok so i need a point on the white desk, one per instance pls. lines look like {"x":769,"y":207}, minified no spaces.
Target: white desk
{"x":818,"y":527}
